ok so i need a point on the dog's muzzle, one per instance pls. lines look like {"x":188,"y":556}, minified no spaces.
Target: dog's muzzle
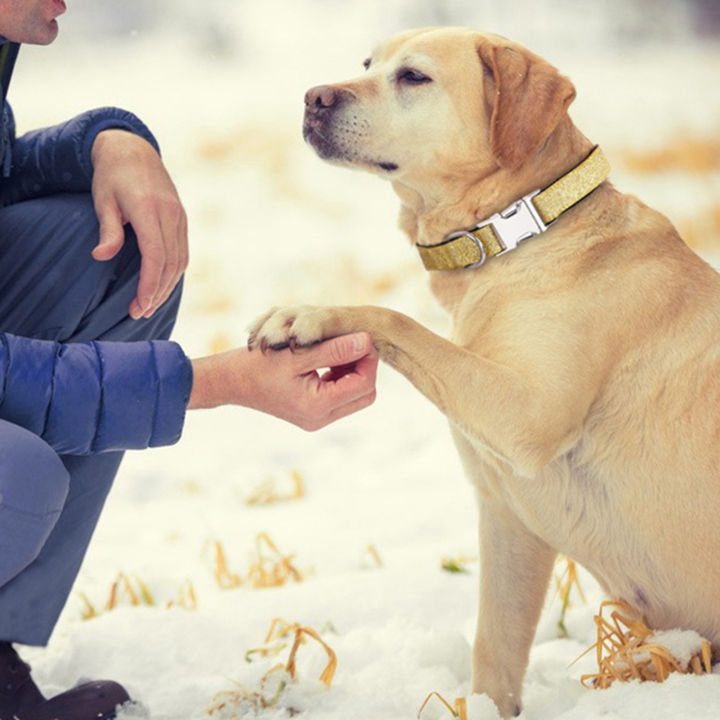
{"x":321,"y":103}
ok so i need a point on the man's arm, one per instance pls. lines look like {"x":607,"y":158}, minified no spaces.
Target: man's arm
{"x":59,"y":158}
{"x":131,"y":185}
{"x":84,"y":398}
{"x":111,"y":153}
{"x":288,"y":385}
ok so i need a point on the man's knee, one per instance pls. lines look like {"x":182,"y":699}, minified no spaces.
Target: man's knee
{"x":157,"y":327}
{"x":167,"y":313}
{"x":33,"y":486}
{"x":57,"y":290}
{"x":51,"y":280}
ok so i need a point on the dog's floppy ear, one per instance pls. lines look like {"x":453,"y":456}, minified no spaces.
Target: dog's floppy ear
{"x":528,"y":97}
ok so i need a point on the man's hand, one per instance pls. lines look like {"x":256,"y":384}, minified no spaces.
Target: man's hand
{"x":131,"y":185}
{"x":287,"y":384}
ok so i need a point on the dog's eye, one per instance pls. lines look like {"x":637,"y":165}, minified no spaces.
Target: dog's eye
{"x":412,"y":77}
{"x":366,"y":63}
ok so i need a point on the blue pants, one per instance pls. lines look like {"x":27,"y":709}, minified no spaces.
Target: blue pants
{"x":51,"y":288}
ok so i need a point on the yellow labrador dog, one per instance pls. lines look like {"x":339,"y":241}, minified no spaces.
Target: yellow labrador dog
{"x":582,"y":379}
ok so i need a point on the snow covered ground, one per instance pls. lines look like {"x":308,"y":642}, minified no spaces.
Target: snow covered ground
{"x":271,"y":224}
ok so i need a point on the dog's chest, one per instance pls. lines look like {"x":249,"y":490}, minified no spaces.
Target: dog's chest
{"x":576,"y":509}
{"x":570,"y":508}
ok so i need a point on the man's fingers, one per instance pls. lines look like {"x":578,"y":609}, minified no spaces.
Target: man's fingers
{"x":112,"y":234}
{"x":152,"y":264}
{"x":365,"y":370}
{"x":335,"y":373}
{"x":334,"y":391}
{"x":172,"y":241}
{"x":173,"y":223}
{"x":135,"y":311}
{"x":367,"y":365}
{"x":353,"y":362}
{"x":341,"y":350}
{"x":345,"y":410}
{"x":130,"y":184}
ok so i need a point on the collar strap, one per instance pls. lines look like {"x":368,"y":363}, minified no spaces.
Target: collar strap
{"x":531,"y":215}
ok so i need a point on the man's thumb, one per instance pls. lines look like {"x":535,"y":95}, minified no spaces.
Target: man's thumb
{"x":340,"y":350}
{"x":112,"y":237}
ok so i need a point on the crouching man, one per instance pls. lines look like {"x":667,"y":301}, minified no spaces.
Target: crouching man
{"x":93,"y":244}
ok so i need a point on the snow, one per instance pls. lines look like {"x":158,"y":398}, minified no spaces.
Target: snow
{"x":270,"y":224}
{"x":683,"y":644}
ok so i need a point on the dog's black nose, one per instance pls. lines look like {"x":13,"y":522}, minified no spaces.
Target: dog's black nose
{"x":321,"y":97}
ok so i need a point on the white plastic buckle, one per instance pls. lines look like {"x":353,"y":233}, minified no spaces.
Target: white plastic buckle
{"x":515,"y":223}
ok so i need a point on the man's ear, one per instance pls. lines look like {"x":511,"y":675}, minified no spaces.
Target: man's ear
{"x":528,"y":96}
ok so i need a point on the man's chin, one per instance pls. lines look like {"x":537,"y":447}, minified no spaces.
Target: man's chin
{"x":45,"y":34}
{"x":51,"y":33}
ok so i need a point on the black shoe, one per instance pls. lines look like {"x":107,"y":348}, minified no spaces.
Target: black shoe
{"x":20,"y":698}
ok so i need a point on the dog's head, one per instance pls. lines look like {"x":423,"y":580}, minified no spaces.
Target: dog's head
{"x":437,"y":102}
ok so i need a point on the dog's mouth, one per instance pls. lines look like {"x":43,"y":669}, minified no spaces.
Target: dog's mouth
{"x":317,"y":134}
{"x":314,"y":136}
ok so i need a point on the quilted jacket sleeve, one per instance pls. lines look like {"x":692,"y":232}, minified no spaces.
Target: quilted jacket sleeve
{"x":57,"y":159}
{"x":85,"y":398}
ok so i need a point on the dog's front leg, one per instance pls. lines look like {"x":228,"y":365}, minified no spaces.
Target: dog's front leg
{"x":521,"y":415}
{"x":515,"y":571}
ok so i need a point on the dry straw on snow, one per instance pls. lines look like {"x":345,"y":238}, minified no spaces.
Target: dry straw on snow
{"x":372,"y":554}
{"x":267,"y":493}
{"x":458,"y":709}
{"x":268,"y":568}
{"x":457,"y":564}
{"x":225,"y":579}
{"x":137,"y":594}
{"x":686,"y":153}
{"x":626,"y":648}
{"x":564,"y":583}
{"x":279,"y":636}
{"x":626,"y":651}
{"x":698,"y":157}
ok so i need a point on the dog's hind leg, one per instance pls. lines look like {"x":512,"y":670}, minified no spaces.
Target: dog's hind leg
{"x":515,"y":570}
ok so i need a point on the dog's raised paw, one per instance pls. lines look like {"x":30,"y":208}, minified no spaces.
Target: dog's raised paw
{"x":290,"y":327}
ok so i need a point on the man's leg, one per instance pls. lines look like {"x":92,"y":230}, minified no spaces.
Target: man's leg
{"x":33,"y":488}
{"x":51,"y":288}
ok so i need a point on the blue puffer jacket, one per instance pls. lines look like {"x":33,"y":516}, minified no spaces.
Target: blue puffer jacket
{"x":81,"y":397}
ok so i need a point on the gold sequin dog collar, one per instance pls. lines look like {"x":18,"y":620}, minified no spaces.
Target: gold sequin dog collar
{"x":531,"y":215}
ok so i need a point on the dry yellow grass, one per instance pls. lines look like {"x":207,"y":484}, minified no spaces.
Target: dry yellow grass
{"x":457,"y":564}
{"x":458,"y":709}
{"x":136,"y":593}
{"x":269,"y":152}
{"x":271,"y":570}
{"x":268,"y":695}
{"x":371,"y":553}
{"x":268,"y":568}
{"x":339,"y":278}
{"x":564,"y":583}
{"x":626,"y":651}
{"x":692,"y":155}
{"x":268,"y":492}
{"x":274,"y":642}
{"x":225,"y":579}
{"x":686,"y":153}
{"x":186,"y":598}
